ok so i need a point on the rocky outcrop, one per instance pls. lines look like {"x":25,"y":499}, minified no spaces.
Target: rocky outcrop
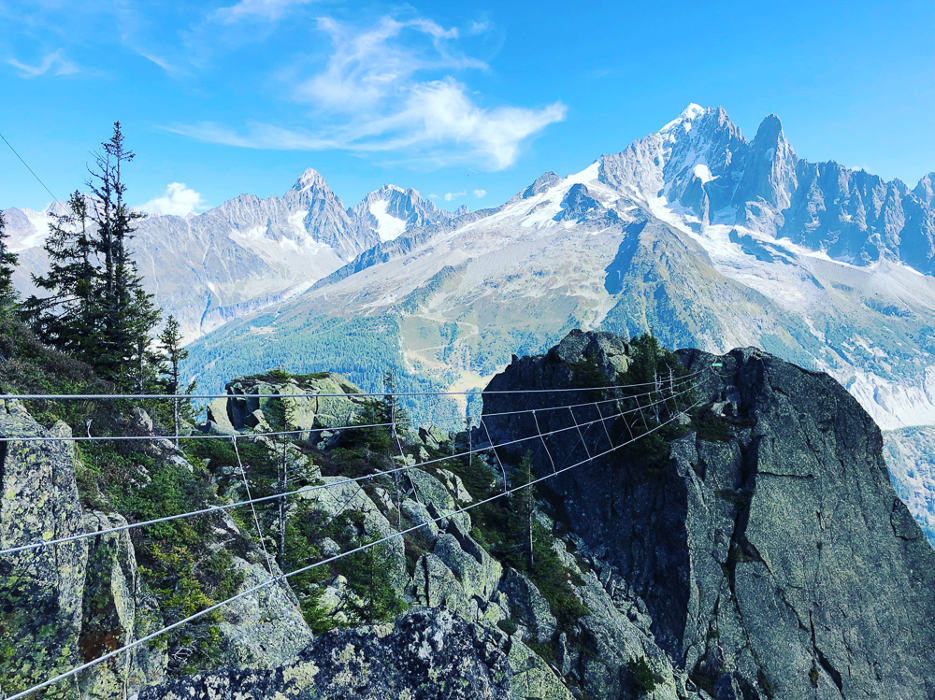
{"x":769,"y":553}
{"x":41,"y":590}
{"x":425,"y":655}
{"x":70,"y":603}
{"x":253,"y":404}
{"x":753,"y":548}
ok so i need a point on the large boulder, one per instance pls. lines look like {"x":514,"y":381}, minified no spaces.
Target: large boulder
{"x":424,"y":655}
{"x":327,"y":400}
{"x":531,"y":677}
{"x":41,"y":590}
{"x":265,"y":628}
{"x":115,"y":612}
{"x":437,"y":498}
{"x":478,"y":572}
{"x":434,"y":585}
{"x":528,"y":607}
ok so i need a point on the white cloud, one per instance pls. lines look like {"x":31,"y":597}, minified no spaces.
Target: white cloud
{"x":179,"y":200}
{"x":269,"y":10}
{"x":480,"y":193}
{"x":451,"y":195}
{"x":478,"y":27}
{"x":387,"y":88}
{"x":53,"y":63}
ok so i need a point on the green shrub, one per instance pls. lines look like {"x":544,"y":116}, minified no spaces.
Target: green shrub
{"x":644,"y":678}
{"x":370,"y":579}
{"x":278,"y":375}
{"x":508,"y":626}
{"x":172,"y":576}
{"x":710,"y":428}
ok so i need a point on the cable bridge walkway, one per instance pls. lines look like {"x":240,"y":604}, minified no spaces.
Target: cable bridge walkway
{"x":649,"y":405}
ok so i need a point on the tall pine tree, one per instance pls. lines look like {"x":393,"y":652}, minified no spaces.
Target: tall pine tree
{"x":97,"y":309}
{"x":128,"y":315}
{"x":8,"y":262}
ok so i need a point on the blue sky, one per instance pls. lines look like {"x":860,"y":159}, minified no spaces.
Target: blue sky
{"x":467,"y":100}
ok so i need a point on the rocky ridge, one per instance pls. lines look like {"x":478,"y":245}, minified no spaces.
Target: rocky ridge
{"x":771,"y":552}
{"x":756,"y":550}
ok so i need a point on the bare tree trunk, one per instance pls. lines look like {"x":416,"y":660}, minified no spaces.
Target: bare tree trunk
{"x":175,"y":416}
{"x":283,"y":484}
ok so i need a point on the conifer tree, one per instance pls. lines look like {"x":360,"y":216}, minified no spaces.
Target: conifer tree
{"x":143,"y":316}
{"x":523,"y":500}
{"x":67,"y":318}
{"x":96,"y":309}
{"x":8,"y":262}
{"x":392,"y":411}
{"x":128,"y":315}
{"x":173,"y":353}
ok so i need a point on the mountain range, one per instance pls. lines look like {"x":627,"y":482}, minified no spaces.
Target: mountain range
{"x":248,"y":252}
{"x":695,"y":232}
{"x":705,"y":237}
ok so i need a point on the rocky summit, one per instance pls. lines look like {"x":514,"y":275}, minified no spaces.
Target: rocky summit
{"x":720,"y":527}
{"x":771,"y":553}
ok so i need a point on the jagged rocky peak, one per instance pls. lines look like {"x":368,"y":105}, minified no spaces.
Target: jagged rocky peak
{"x":769,"y":172}
{"x":767,"y":544}
{"x":925,"y":190}
{"x":310,"y":179}
{"x":580,"y":206}
{"x":699,"y":155}
{"x":387,"y":213}
{"x":684,"y":120}
{"x":541,"y":184}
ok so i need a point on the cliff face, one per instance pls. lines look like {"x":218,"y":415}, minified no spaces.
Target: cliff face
{"x":772,"y":554}
{"x":750,"y":547}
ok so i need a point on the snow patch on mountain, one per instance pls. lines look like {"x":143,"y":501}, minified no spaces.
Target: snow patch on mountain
{"x":703,"y":173}
{"x":389,"y":227}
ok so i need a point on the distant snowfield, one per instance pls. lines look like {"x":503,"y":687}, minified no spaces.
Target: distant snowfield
{"x":799,"y":282}
{"x":389,"y":227}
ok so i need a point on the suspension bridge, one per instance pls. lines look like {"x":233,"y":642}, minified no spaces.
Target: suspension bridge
{"x":654,"y":405}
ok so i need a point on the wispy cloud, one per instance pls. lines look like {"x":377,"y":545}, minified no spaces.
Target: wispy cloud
{"x":179,"y":199}
{"x":268,"y":10}
{"x":478,"y":27}
{"x":158,"y":60}
{"x":53,"y":63}
{"x":452,"y":195}
{"x":389,"y":88}
{"x":480,"y":194}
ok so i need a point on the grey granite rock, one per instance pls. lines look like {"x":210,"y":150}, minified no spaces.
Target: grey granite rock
{"x":775,"y":562}
{"x":425,"y":655}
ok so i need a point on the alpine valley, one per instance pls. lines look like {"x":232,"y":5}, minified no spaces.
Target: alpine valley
{"x":709,"y":239}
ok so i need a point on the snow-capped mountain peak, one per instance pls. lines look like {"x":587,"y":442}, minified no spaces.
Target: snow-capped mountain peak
{"x":685,"y":119}
{"x":388,"y":212}
{"x":310,"y":179}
